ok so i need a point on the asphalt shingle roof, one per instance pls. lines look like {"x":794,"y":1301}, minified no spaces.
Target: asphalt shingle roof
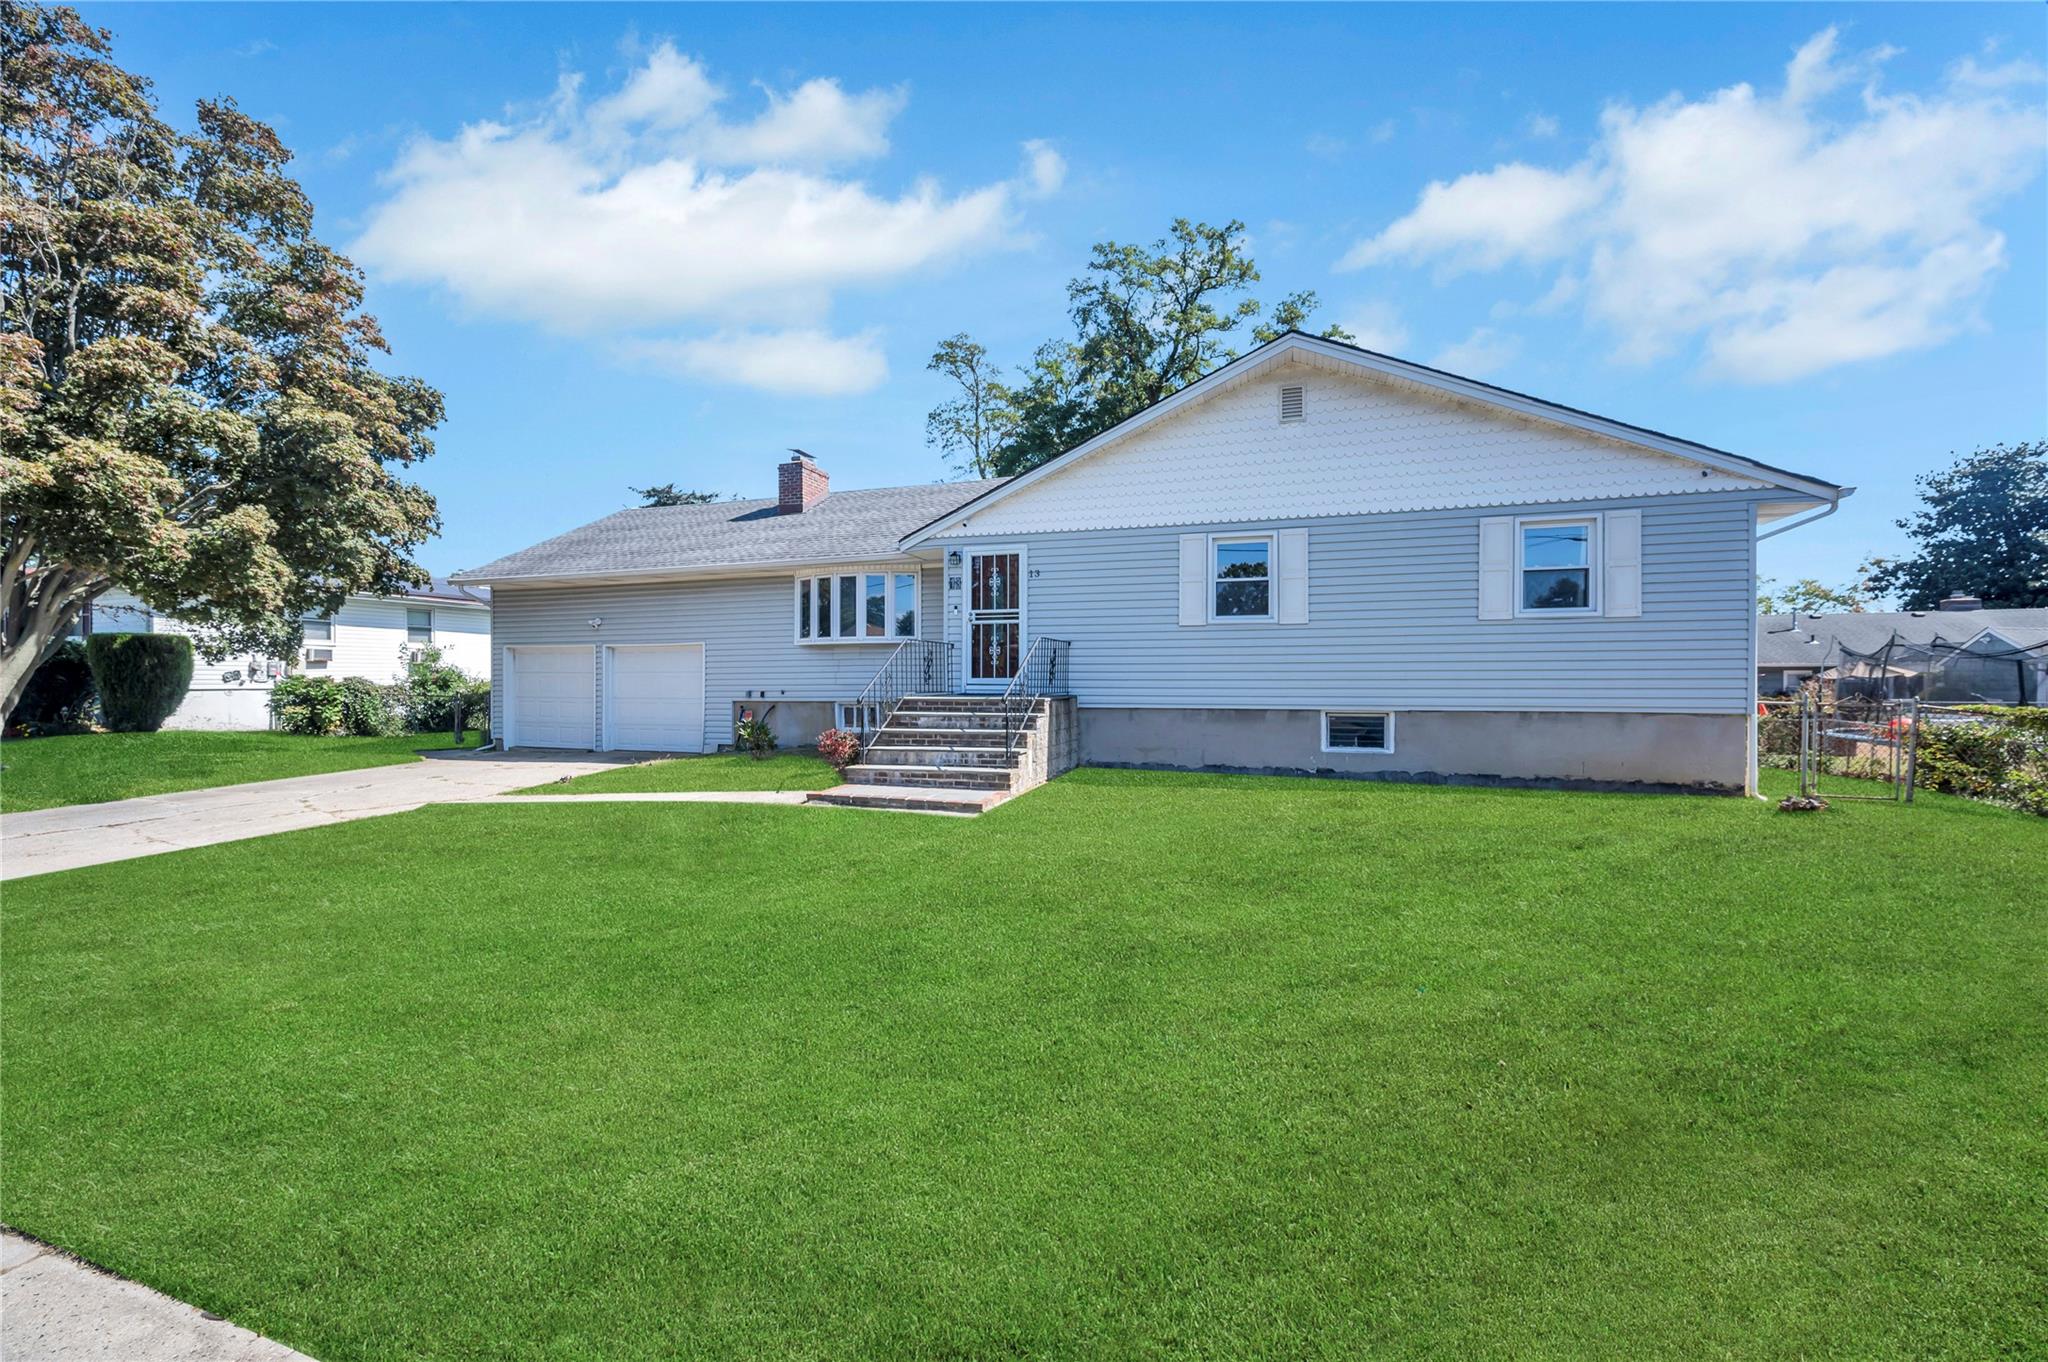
{"x":1817,"y":640}
{"x":441,"y":589}
{"x":850,"y":526}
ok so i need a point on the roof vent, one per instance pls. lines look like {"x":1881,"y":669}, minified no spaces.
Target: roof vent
{"x":1292,"y":404}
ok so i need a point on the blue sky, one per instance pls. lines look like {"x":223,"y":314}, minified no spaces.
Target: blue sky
{"x":644,"y":244}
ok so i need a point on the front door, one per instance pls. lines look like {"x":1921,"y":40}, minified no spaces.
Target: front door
{"x":995,"y":617}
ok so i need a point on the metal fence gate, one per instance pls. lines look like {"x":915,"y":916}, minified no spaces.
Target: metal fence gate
{"x":1857,"y":747}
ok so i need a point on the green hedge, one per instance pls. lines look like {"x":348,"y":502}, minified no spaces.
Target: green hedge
{"x":140,"y":678}
{"x":2001,"y":758}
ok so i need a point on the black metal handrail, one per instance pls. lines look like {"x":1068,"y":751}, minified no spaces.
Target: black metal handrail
{"x":1042,"y":673}
{"x":918,"y":666}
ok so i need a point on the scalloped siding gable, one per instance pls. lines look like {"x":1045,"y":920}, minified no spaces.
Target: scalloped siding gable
{"x":1363,"y":446}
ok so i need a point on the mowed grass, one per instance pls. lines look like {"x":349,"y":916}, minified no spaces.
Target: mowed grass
{"x":90,"y":768}
{"x":717,"y":771}
{"x":1139,"y":1065}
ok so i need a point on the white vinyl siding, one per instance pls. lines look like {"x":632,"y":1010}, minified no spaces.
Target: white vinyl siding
{"x":744,"y":624}
{"x":1392,"y":620}
{"x":1368,"y":447}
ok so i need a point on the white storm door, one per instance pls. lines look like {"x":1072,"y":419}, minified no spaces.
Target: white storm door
{"x":995,"y":617}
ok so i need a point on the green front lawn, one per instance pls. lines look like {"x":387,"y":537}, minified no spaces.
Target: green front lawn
{"x":719,"y":771}
{"x":1139,"y":1065}
{"x":42,"y":773}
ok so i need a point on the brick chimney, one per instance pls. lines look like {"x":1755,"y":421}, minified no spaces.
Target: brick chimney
{"x":1956,"y":601}
{"x":800,"y":484}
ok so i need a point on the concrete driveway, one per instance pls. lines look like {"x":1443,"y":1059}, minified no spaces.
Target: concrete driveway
{"x":44,"y":840}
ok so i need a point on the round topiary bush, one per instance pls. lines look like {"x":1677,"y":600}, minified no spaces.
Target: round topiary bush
{"x":140,"y":678}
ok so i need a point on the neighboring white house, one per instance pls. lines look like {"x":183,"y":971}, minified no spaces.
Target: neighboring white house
{"x":370,"y":637}
{"x":1314,"y":558}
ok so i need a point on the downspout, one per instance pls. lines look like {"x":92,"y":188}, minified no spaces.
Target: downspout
{"x":1834,"y":504}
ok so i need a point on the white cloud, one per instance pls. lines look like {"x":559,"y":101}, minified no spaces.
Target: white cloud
{"x":1376,"y":326}
{"x":1324,"y":146}
{"x":1382,"y":131}
{"x":1780,"y":233}
{"x":805,"y":363}
{"x":1485,"y":220}
{"x":1045,"y":170}
{"x":647,"y":209}
{"x":1483,"y":352}
{"x":1541,"y":125}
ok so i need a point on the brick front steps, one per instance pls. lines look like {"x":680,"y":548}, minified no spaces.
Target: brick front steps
{"x":948,"y":753}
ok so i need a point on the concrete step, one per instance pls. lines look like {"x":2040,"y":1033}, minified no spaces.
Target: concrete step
{"x":958,"y":777}
{"x":924,"y":754}
{"x":908,"y":799}
{"x":968,"y":738}
{"x":960,"y":719}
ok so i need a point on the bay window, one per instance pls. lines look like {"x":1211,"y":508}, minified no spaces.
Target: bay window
{"x":856,"y":607}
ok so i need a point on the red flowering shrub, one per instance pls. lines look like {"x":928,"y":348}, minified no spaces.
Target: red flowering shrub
{"x":839,"y":747}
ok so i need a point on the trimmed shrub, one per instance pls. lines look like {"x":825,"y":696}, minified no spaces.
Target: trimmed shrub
{"x":60,"y":696}
{"x":307,"y":705}
{"x":839,"y":747}
{"x":140,"y":678}
{"x":365,"y":708}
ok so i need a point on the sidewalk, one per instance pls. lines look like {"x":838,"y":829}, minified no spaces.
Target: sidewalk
{"x":54,"y":1308}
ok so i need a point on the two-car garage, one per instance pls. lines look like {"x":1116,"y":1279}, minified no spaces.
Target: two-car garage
{"x":654,"y":697}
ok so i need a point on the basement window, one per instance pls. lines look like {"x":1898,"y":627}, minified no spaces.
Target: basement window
{"x":1351,"y":731}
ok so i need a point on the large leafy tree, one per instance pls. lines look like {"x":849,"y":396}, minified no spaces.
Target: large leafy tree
{"x":188,"y":406}
{"x":1982,"y":530}
{"x":668,"y":494}
{"x":1148,"y":321}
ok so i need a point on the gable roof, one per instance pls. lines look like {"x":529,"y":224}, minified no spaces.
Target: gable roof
{"x":656,"y":541}
{"x":1297,"y":344}
{"x":1818,"y":640}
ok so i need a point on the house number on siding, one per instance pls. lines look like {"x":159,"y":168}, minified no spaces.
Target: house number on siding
{"x":953,"y":583}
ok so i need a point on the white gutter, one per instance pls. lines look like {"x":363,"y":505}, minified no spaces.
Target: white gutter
{"x":1824,"y":513}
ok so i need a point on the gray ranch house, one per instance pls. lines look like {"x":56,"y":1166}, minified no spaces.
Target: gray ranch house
{"x":1315,"y":558}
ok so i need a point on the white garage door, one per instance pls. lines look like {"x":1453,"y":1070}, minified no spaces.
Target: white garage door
{"x":656,"y":699}
{"x":554,"y":697}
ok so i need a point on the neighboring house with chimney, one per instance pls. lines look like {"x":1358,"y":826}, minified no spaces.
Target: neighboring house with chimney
{"x":1315,"y":558}
{"x":369,"y":636}
{"x":1957,"y":653}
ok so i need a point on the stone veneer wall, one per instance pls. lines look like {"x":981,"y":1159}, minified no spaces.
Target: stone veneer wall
{"x":1052,"y":747}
